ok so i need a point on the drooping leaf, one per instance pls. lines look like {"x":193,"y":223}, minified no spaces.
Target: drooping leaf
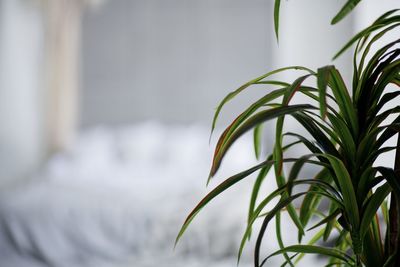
{"x":283,"y":203}
{"x":218,"y":190}
{"x":391,"y":178}
{"x":276,"y":18}
{"x":257,"y":135}
{"x":382,"y":22}
{"x":311,"y":249}
{"x":330,"y":217}
{"x":346,"y":9}
{"x":278,"y":233}
{"x":372,"y":206}
{"x":224,"y":143}
{"x":234,"y":93}
{"x":334,"y":210}
{"x":260,"y":207}
{"x":312,"y":241}
{"x":311,"y":201}
{"x":347,"y":189}
{"x":323,"y":75}
{"x":260,"y":178}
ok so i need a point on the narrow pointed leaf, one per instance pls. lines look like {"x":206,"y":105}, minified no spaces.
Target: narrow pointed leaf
{"x":375,"y":201}
{"x":257,"y":135}
{"x":323,"y":75}
{"x":262,"y":116}
{"x":234,"y":93}
{"x":218,"y":190}
{"x":311,"y":249}
{"x":276,"y":18}
{"x":346,"y":9}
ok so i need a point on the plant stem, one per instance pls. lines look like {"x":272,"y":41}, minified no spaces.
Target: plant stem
{"x":358,"y":261}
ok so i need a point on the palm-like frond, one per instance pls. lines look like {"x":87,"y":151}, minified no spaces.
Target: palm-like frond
{"x":347,"y":134}
{"x":342,"y":13}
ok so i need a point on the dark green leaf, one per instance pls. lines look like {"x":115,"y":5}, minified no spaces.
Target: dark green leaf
{"x":346,"y":9}
{"x":232,"y":94}
{"x":257,"y":135}
{"x":224,"y":143}
{"x":283,"y":203}
{"x":372,"y":206}
{"x":310,"y":249}
{"x":322,"y":82}
{"x":276,"y":18}
{"x":218,"y":190}
{"x":331,"y":216}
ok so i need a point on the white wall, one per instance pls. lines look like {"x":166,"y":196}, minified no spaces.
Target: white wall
{"x":21,"y":134}
{"x":307,"y":38}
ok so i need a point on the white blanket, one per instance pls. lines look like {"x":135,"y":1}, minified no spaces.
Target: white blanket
{"x":119,"y":197}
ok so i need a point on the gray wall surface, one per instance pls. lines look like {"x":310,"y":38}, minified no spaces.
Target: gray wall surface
{"x":170,"y":60}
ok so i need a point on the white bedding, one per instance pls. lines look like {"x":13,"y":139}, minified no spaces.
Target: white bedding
{"x":118,"y":198}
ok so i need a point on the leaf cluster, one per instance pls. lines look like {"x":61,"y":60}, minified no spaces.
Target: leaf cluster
{"x":348,"y":132}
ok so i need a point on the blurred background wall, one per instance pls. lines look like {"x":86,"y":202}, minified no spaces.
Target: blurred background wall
{"x":66,"y":65}
{"x":169,"y":60}
{"x":22,"y":137}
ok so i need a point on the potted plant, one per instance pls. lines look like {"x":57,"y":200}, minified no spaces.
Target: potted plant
{"x":348,"y":132}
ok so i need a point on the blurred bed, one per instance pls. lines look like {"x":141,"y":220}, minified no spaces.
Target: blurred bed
{"x":118,"y":197}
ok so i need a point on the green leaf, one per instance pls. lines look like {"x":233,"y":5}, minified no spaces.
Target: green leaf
{"x":292,"y":89}
{"x":260,"y":178}
{"x":278,"y":152}
{"x":331,"y":216}
{"x":225,"y":142}
{"x":298,"y":165}
{"x":311,"y":249}
{"x":365,"y":182}
{"x":370,"y":74}
{"x":311,"y":201}
{"x":278,"y":233}
{"x":255,"y":214}
{"x":218,"y":190}
{"x":347,"y":189}
{"x":346,"y":9}
{"x":276,"y":18}
{"x":390,"y":260}
{"x":386,"y":98}
{"x":387,"y":134}
{"x":343,"y":132}
{"x":333,"y":209}
{"x":257,"y":140}
{"x":377,"y":21}
{"x":312,"y":241}
{"x":245,"y":115}
{"x":392,"y":178}
{"x":310,"y":145}
{"x":318,"y":135}
{"x":373,"y":40}
{"x":372,"y":206}
{"x":378,"y":24}
{"x":343,"y":100}
{"x":232,"y":94}
{"x":283,"y":203}
{"x":323,"y":75}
